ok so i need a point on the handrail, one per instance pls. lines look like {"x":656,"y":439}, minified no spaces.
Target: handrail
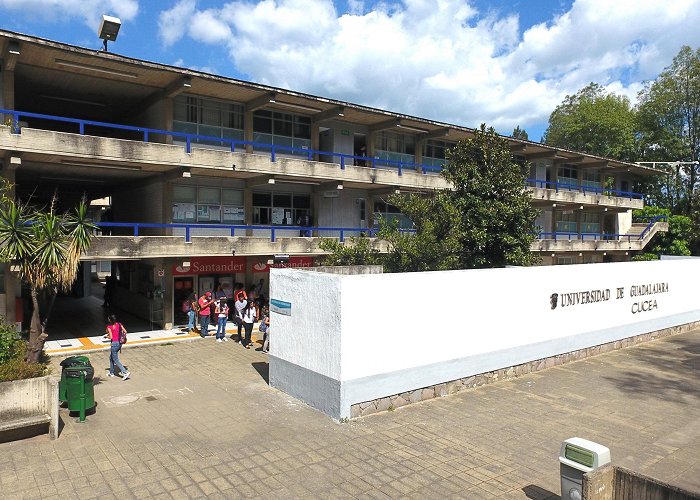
{"x":232,"y":143}
{"x":274,"y":150}
{"x":569,"y":236}
{"x":581,"y":188}
{"x":308,"y":230}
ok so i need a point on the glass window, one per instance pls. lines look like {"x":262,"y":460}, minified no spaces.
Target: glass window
{"x":302,"y":201}
{"x":567,"y":175}
{"x":187,"y":194}
{"x":262,"y":199}
{"x":279,"y":208}
{"x":207,"y":117}
{"x":232,"y":197}
{"x":565,"y":222}
{"x":282,"y":200}
{"x":208,"y":195}
{"x":590,"y":223}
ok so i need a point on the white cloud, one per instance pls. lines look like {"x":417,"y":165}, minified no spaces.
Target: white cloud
{"x":443,"y":59}
{"x":90,"y":11}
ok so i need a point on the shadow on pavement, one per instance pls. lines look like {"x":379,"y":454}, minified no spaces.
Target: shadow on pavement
{"x":538,"y":493}
{"x":263,"y":370}
{"x":659,"y":365}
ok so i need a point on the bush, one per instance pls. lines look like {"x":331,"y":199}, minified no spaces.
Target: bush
{"x":12,"y":351}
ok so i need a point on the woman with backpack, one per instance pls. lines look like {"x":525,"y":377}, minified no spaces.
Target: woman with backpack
{"x":117,"y":334}
{"x":249,"y":315}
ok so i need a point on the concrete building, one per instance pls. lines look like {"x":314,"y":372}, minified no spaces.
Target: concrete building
{"x":209,"y":177}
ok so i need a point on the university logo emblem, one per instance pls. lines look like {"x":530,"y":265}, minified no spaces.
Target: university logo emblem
{"x":553,"y":299}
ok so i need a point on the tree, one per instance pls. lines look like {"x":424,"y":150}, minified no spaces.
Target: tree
{"x":46,"y":247}
{"x":357,"y":252}
{"x":669,"y":122}
{"x":677,"y":241}
{"x":519,"y":133}
{"x":485,"y":220}
{"x":595,"y":122}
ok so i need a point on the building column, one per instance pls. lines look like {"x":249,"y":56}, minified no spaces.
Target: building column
{"x":13,"y":285}
{"x":167,"y":117}
{"x":418,"y":155}
{"x":248,"y":209}
{"x":248,"y":130}
{"x":315,"y":131}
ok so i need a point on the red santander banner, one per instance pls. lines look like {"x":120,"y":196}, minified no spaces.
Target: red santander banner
{"x":211,"y":265}
{"x":260,"y":265}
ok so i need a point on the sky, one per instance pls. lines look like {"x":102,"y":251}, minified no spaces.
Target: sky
{"x":466,"y":62}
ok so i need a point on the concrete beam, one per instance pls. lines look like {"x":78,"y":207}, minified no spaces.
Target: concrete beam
{"x":11,"y":55}
{"x":541,"y":154}
{"x":517,"y":147}
{"x":259,"y":180}
{"x":385,"y":125}
{"x":572,"y":159}
{"x":329,"y":114}
{"x":178,"y":86}
{"x":260,"y":102}
{"x":436,"y":134}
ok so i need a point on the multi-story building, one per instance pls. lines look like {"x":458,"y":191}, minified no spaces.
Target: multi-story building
{"x":209,"y":177}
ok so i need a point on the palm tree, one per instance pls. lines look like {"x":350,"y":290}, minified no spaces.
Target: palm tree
{"x":45,"y":247}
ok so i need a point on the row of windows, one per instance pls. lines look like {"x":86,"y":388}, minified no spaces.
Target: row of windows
{"x":569,"y":174}
{"x":203,"y":204}
{"x":565,"y":222}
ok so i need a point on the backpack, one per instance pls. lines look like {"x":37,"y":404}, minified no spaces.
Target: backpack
{"x":122,"y":334}
{"x":186,"y":306}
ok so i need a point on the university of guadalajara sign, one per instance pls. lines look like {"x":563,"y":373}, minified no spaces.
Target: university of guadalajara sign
{"x":643,"y":295}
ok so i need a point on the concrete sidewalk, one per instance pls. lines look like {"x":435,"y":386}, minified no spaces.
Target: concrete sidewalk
{"x":199,"y":420}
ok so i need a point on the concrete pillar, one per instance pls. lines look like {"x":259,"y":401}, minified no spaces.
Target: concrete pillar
{"x":371,"y":140}
{"x":248,"y":209}
{"x":12,"y":283}
{"x":248,"y":130}
{"x":167,"y":118}
{"x":418,"y":155}
{"x":315,"y":139}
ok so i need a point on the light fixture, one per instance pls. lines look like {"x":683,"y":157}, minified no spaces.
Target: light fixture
{"x":13,"y":47}
{"x":412,"y":129}
{"x":185,"y":264}
{"x":186,"y":173}
{"x":93,"y":165}
{"x":271,"y":180}
{"x":96,"y":69}
{"x":554,"y":205}
{"x":109,"y":29}
{"x":71,"y":99}
{"x":15,"y":160}
{"x":187,"y":81}
{"x":296,"y":106}
{"x":339,"y":186}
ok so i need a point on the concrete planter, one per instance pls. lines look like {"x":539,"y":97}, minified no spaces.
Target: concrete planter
{"x":30,"y":402}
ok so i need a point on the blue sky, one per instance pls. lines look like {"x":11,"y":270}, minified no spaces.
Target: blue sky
{"x":499,"y":62}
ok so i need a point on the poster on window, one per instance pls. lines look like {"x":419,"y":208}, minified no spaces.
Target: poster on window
{"x":183,"y":212}
{"x":234,"y":215}
{"x":277,"y":215}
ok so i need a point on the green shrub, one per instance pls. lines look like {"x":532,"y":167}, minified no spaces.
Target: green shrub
{"x":12,"y":351}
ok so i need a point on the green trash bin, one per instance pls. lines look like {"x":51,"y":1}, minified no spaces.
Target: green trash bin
{"x":80,"y":390}
{"x":72,"y":361}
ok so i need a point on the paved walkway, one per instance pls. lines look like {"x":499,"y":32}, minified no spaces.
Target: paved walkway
{"x":199,"y":420}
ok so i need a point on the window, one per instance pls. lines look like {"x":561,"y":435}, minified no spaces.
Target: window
{"x":434,"y":152}
{"x":396,"y":147}
{"x":207,"y":117}
{"x":568,"y":175}
{"x":208,"y":205}
{"x":390,"y":213}
{"x":565,"y":261}
{"x":591,"y":178}
{"x":565,"y":222}
{"x":282,"y":209}
{"x":282,"y":129}
{"x":590,"y":223}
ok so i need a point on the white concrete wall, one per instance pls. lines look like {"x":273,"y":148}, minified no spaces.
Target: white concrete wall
{"x":383,"y":334}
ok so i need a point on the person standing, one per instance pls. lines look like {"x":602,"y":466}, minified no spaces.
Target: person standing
{"x":221,"y":311}
{"x":115,"y":330}
{"x":205,"y":302}
{"x":249,"y":316}
{"x":192,"y":313}
{"x":265,"y":328}
{"x":240,"y":304}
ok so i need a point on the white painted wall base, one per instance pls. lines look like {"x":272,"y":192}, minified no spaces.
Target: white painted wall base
{"x":356,"y":338}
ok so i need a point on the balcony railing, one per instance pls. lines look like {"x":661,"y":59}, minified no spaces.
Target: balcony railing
{"x":236,"y":230}
{"x":570,"y":236}
{"x":232,"y":144}
{"x":561,"y":186}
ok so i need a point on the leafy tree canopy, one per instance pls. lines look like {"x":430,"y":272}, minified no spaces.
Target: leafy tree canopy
{"x":485,"y":220}
{"x":519,"y":133}
{"x":677,"y":241}
{"x":594,"y":121}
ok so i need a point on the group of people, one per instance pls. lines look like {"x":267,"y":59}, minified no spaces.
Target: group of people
{"x":248,"y":308}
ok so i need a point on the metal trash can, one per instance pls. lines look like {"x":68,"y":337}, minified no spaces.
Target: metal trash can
{"x":576,"y":457}
{"x":77,"y":384}
{"x":72,"y":361}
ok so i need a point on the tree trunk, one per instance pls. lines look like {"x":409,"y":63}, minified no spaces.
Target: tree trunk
{"x":37,"y":337}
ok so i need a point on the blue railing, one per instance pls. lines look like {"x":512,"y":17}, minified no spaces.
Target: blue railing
{"x":557,"y":186}
{"x":274,"y":150}
{"x":556,"y":236}
{"x":307,"y":231}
